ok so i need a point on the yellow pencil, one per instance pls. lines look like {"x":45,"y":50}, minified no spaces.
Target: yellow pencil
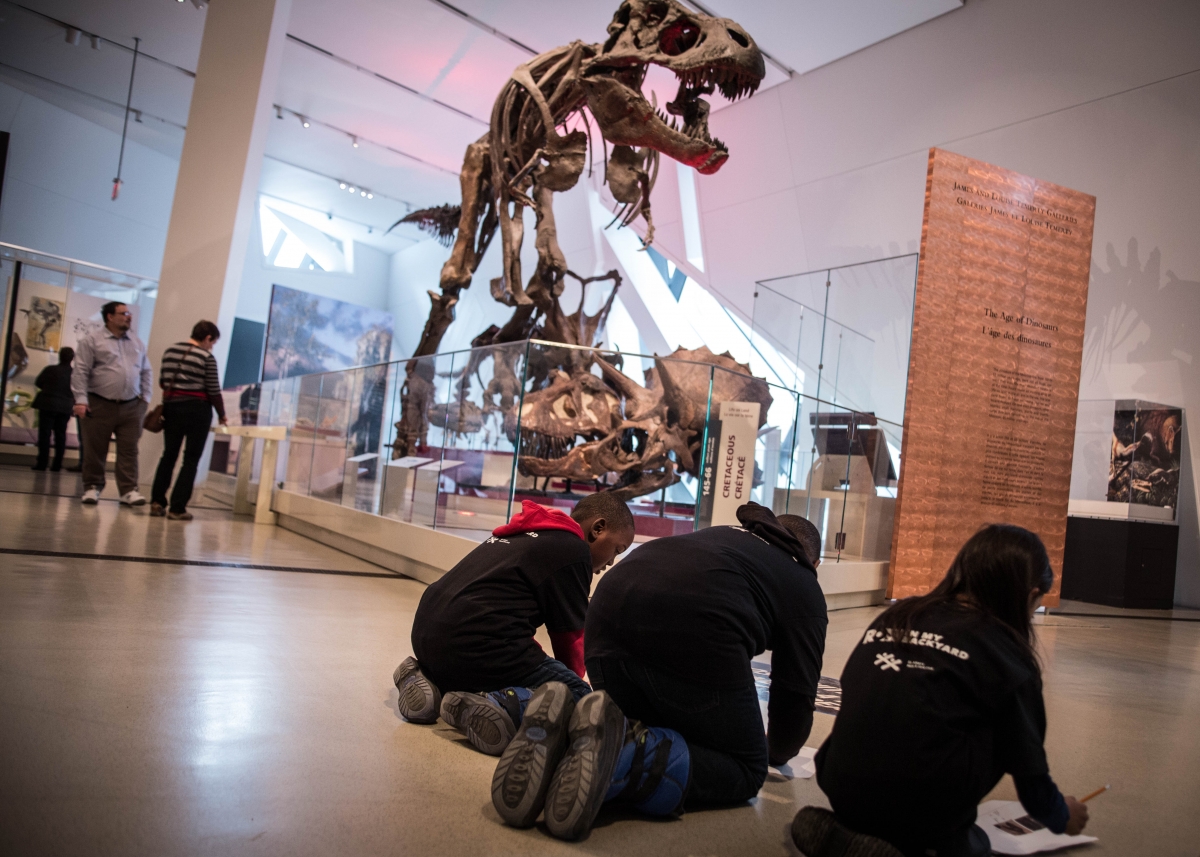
{"x":1098,"y":791}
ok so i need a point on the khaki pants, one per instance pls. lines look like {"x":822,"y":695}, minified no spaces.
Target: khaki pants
{"x":105,"y":419}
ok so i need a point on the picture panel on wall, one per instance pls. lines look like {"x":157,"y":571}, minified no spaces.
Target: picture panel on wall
{"x":307,"y":333}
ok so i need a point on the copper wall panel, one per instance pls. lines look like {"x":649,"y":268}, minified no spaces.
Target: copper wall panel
{"x":993,"y":378}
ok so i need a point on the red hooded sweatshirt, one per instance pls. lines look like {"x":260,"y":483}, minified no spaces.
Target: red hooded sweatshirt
{"x":568,"y":645}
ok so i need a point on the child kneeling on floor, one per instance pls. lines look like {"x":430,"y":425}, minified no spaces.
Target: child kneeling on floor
{"x":477,"y":661}
{"x":940,"y":699}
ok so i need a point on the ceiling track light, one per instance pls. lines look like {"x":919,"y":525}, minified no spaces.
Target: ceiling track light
{"x":73,"y":35}
{"x":95,"y":42}
{"x":303,"y":120}
{"x":278,"y":109}
{"x":353,"y":141}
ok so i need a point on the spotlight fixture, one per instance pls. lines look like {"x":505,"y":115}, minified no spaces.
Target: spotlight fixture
{"x":370,"y":196}
{"x":303,"y":120}
{"x":342,"y":185}
{"x":354,"y":141}
{"x":362,"y":193}
{"x":95,"y":42}
{"x":278,"y":109}
{"x":73,"y":34}
{"x":351,"y":189}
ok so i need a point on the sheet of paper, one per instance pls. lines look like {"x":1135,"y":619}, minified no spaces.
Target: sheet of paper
{"x":1011,"y":830}
{"x":801,"y":766}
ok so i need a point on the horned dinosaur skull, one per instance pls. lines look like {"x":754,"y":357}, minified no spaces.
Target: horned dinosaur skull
{"x":654,"y":438}
{"x":704,"y":52}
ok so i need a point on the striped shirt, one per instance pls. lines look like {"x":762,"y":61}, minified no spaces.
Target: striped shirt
{"x":190,"y":371}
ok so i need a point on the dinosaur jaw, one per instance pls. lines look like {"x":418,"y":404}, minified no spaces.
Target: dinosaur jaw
{"x":626,"y":118}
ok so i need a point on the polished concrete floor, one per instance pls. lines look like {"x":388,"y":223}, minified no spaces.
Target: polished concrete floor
{"x":161,"y":708}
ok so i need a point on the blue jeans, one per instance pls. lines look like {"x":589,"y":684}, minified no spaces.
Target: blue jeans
{"x":723,"y":728}
{"x":553,"y":670}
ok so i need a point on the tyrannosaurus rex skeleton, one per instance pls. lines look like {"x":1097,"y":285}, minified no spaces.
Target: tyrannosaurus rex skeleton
{"x":529,"y":154}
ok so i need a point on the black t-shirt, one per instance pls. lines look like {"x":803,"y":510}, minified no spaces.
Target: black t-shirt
{"x":474,"y":627}
{"x":927,"y":729}
{"x":701,"y":605}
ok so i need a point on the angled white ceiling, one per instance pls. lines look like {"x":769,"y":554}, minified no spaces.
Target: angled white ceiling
{"x":413,"y":79}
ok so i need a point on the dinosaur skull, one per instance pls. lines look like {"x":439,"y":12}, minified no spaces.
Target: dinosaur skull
{"x":705,"y":53}
{"x":570,"y":407}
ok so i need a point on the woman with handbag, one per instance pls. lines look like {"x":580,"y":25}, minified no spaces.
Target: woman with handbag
{"x":191,"y":390}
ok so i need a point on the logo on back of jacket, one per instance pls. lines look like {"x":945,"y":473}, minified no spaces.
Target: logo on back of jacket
{"x":887,"y":661}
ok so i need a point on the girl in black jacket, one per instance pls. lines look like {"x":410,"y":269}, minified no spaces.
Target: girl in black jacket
{"x":941,"y":698}
{"x":53,"y":403}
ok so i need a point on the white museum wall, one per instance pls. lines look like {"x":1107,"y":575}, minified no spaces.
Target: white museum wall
{"x":1104,"y":97}
{"x":58,"y":187}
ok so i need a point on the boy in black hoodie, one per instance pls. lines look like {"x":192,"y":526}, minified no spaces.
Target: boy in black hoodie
{"x":473,"y":633}
{"x":671,"y":632}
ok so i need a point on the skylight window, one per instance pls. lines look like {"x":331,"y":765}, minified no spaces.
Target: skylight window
{"x":289,"y":242}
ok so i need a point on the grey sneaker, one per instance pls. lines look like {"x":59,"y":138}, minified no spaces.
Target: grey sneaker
{"x":419,"y":698}
{"x":133,"y":498}
{"x":91,"y":497}
{"x":454,"y":706}
{"x":490,"y":720}
{"x":817,"y":833}
{"x":596,"y":736}
{"x":524,"y":771}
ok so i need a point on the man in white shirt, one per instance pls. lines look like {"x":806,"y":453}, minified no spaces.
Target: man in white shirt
{"x":112,"y":385}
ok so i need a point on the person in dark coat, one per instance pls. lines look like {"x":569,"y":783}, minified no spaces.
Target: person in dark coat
{"x":53,"y":403}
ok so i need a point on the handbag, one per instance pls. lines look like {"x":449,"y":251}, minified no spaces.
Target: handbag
{"x":154,"y":417}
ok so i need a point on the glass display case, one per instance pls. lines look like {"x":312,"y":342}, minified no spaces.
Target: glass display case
{"x":50,"y":302}
{"x":452,"y":441}
{"x":1127,"y":460}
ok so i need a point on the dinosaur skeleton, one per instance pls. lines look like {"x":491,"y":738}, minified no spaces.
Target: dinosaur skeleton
{"x":537,"y":145}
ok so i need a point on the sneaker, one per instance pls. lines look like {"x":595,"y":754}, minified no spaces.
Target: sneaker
{"x":91,"y":496}
{"x":133,"y":498}
{"x":454,"y":706}
{"x":490,"y":720}
{"x":177,"y":516}
{"x":652,"y":770}
{"x":581,"y":782}
{"x":524,"y":772}
{"x":419,"y":698}
{"x":817,"y":833}
{"x":157,"y":510}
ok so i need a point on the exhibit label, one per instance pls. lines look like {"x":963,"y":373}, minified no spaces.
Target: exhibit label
{"x":993,"y":379}
{"x":729,"y":471}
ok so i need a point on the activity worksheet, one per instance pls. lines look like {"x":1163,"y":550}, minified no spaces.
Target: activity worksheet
{"x":1012,"y":831}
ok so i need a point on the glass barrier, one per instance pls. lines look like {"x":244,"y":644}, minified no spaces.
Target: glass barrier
{"x":455,"y":441}
{"x":847,"y":330}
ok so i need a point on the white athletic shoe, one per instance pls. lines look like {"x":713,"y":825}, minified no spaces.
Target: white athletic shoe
{"x":90,"y":497}
{"x":133,"y":498}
